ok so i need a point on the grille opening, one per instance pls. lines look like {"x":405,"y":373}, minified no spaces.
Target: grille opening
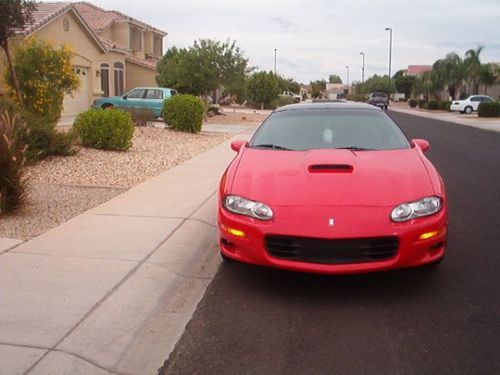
{"x":330,"y":168}
{"x":332,"y":251}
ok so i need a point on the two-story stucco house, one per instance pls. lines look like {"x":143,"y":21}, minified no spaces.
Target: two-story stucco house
{"x":112,"y":51}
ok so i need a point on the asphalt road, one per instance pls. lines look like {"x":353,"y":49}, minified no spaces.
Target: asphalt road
{"x":443,"y":320}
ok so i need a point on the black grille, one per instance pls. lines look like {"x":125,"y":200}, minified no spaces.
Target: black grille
{"x":332,"y":251}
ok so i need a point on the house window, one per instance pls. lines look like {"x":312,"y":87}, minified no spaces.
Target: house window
{"x":105,"y":79}
{"x":135,"y":39}
{"x":157,"y":45}
{"x":119,"y":83}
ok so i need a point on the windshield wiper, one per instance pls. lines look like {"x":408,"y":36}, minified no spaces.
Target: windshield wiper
{"x":276,"y":147}
{"x":354,"y":148}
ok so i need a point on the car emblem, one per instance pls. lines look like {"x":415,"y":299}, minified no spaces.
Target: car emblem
{"x":331,"y":222}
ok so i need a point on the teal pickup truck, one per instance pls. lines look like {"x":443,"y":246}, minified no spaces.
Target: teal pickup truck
{"x":151,"y":98}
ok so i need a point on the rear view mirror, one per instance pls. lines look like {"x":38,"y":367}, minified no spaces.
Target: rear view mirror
{"x":236,"y":145}
{"x":422,"y":143}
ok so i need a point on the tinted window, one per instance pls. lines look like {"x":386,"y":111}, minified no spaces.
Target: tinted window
{"x":136,"y":94}
{"x":487,"y":99}
{"x":475,"y":99}
{"x":330,"y":128}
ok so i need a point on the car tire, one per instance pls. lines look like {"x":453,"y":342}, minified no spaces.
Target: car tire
{"x":468,"y":110}
{"x":107,"y":106}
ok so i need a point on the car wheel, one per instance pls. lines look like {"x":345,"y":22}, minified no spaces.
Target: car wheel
{"x":468,"y":110}
{"x":107,"y":106}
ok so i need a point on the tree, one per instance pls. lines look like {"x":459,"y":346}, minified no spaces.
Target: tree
{"x":263,"y":88}
{"x":450,"y":72}
{"x":473,"y":67}
{"x":404,"y":84}
{"x":288,"y":84}
{"x":45,"y":75}
{"x":15,"y":15}
{"x":375,"y":83}
{"x":203,"y":68}
{"x":490,"y":74}
{"x":333,"y":78}
{"x":318,"y":87}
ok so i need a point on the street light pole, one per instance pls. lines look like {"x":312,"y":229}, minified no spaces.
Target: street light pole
{"x":363,"y":68}
{"x":347,"y":68}
{"x":390,"y":55}
{"x":275,"y":60}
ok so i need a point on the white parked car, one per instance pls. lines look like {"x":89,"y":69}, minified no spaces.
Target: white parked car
{"x":470,"y":104}
{"x":296,"y":97}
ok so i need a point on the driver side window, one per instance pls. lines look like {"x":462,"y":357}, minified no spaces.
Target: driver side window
{"x":136,"y":94}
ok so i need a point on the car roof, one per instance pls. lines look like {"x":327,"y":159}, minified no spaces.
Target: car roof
{"x":328,"y":105}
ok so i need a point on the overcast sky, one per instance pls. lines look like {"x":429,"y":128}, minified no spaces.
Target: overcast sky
{"x":315,"y":38}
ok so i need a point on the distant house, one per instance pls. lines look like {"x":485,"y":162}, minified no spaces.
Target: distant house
{"x":112,"y":51}
{"x":333,"y":90}
{"x":418,"y":70}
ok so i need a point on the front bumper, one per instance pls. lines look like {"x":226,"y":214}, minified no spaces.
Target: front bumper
{"x":412,"y":251}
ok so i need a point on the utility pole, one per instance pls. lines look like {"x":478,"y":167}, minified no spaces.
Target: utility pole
{"x":363,"y":68}
{"x":390,"y":56}
{"x":275,"y":60}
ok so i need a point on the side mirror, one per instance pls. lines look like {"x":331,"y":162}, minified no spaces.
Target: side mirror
{"x":236,"y":145}
{"x":422,"y":143}
{"x":124,"y":97}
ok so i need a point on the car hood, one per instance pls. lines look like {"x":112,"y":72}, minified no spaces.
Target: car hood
{"x":332,"y":177}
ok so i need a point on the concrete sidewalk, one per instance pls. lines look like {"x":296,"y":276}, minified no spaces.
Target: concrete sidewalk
{"x":492,"y":124}
{"x":111,"y":290}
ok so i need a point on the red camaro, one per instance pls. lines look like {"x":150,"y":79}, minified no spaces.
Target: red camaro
{"x":332,"y":188}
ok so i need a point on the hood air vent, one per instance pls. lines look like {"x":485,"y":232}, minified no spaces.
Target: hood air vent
{"x":330,"y":168}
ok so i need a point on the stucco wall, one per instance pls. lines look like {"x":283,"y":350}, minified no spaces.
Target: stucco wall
{"x":138,"y":76}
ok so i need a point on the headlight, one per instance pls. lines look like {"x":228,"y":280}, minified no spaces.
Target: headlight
{"x":423,"y":207}
{"x":243,"y":206}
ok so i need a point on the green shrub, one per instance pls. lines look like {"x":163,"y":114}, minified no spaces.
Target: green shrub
{"x":184,"y":113}
{"x":433,"y":105}
{"x":422,"y":103}
{"x":445,"y":105}
{"x":141,"y":116}
{"x":110,"y":129}
{"x":280,"y":101}
{"x":44,"y":140}
{"x":413,"y":103}
{"x":12,"y":159}
{"x":489,"y":109}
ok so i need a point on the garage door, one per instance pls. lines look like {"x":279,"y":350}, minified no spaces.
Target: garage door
{"x":79,"y":100}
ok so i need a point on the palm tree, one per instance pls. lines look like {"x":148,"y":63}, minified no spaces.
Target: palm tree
{"x":449,"y":72}
{"x":473,"y":67}
{"x":490,"y":74}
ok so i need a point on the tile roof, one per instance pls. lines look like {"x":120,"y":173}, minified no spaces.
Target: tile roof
{"x":100,"y":19}
{"x":149,"y":63}
{"x":418,"y":69}
{"x":44,"y":13}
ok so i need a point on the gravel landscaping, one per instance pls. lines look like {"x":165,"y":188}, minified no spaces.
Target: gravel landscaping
{"x":63,"y":187}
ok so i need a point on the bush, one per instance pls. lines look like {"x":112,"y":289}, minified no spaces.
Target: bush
{"x":141,"y":116}
{"x":105,"y":129}
{"x":12,"y":159}
{"x":44,"y":140}
{"x":433,"y":105}
{"x":422,"y":103}
{"x":184,"y":113}
{"x":280,"y":101}
{"x":413,"y":103}
{"x":445,"y":105}
{"x":489,"y":109}
{"x":45,"y":75}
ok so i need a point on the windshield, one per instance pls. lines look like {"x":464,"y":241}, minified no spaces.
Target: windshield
{"x":301,"y":130}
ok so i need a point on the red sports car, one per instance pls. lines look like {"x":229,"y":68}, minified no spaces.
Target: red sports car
{"x":332,"y":188}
